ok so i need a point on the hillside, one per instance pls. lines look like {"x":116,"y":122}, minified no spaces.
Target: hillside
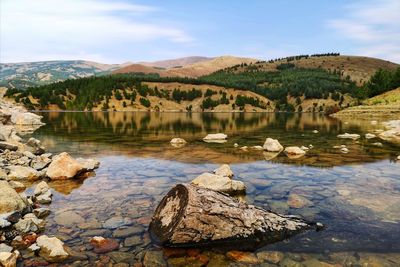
{"x":26,"y":74}
{"x":192,"y":70}
{"x":359,"y":69}
{"x":175,"y":63}
{"x":386,"y":105}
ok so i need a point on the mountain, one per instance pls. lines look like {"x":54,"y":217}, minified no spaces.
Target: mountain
{"x":192,"y":70}
{"x":25,"y":74}
{"x":175,"y":63}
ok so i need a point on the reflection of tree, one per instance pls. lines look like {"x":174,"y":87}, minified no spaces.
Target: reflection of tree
{"x":148,"y":134}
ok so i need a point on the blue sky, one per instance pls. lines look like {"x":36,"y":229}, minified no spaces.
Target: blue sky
{"x":122,"y":30}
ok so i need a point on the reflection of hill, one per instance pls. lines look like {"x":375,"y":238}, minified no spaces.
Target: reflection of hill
{"x":143,"y":134}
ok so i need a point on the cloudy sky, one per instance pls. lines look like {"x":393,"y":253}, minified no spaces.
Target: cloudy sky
{"x":121,"y":30}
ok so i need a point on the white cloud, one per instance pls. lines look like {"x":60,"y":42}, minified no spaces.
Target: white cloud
{"x":42,"y":29}
{"x":374,"y":26}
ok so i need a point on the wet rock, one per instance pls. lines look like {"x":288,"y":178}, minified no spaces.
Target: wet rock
{"x":370,"y":135}
{"x":23,"y":173}
{"x":132,"y":241}
{"x":41,"y":188}
{"x":44,"y":198}
{"x":52,"y":249}
{"x":89,"y":164}
{"x":224,"y":170}
{"x":103,"y":245}
{"x":294,"y":152}
{"x":124,"y":232}
{"x":9,"y":259}
{"x":154,"y":259}
{"x":10,"y":200}
{"x":118,"y":256}
{"x":349,"y":136}
{"x":297,"y":202}
{"x":68,"y":218}
{"x":41,"y":212}
{"x":270,"y":155}
{"x":219,"y":183}
{"x":114,"y":222}
{"x":270,"y":256}
{"x":272,"y":145}
{"x":242,"y":256}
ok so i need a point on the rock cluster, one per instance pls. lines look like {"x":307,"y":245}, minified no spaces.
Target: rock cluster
{"x":220,"y":180}
{"x":272,"y":149}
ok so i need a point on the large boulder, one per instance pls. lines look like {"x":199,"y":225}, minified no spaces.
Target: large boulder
{"x":219,"y":183}
{"x":10,"y":200}
{"x":272,"y":145}
{"x":64,"y":167}
{"x":392,"y":135}
{"x":52,"y":249}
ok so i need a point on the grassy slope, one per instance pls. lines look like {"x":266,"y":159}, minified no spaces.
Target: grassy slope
{"x":385,"y":105}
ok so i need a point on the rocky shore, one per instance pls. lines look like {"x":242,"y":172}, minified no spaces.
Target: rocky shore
{"x":22,"y":160}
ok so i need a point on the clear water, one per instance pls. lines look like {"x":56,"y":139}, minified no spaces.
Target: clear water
{"x":357,"y":194}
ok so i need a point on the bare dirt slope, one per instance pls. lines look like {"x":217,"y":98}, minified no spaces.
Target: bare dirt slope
{"x":193,"y":70}
{"x":174,"y":63}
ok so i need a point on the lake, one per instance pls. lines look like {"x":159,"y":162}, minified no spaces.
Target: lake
{"x":355,"y":194}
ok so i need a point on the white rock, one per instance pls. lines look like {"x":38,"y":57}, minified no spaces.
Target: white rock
{"x":44,"y":198}
{"x":235,"y":145}
{"x":52,"y":249}
{"x":64,"y":166}
{"x":315,"y":131}
{"x":370,"y":135}
{"x":398,"y":157}
{"x":224,"y":170}
{"x":294,"y":150}
{"x":349,"y":136}
{"x":272,"y":145}
{"x":34,"y":247}
{"x":219,"y":183}
{"x":377,"y":144}
{"x":41,"y":188}
{"x":304,"y":148}
{"x":178,"y":141}
{"x":89,"y":164}
{"x":392,"y":135}
{"x":244,"y":148}
{"x":25,"y":118}
{"x":344,"y":150}
{"x":5,"y":248}
{"x":217,"y":136}
{"x":257,"y":147}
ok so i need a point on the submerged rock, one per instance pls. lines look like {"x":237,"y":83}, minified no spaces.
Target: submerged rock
{"x":349,"y":136}
{"x":272,"y":145}
{"x":52,"y":249}
{"x":103,"y":245}
{"x":298,"y":202}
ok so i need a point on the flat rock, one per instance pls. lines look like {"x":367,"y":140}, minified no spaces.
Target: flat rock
{"x":219,"y":183}
{"x":68,"y":218}
{"x":370,"y":135}
{"x":218,"y":138}
{"x":133,"y":241}
{"x":23,"y":173}
{"x":349,"y":136}
{"x":294,"y":152}
{"x":297,"y":202}
{"x":272,"y":145}
{"x":124,"y":232}
{"x":103,"y":245}
{"x":41,"y":188}
{"x":243,"y":256}
{"x":154,"y":258}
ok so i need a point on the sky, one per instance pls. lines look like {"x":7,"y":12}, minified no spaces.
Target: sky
{"x":128,"y":30}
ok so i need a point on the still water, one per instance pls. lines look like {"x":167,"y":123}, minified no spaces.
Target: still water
{"x":356,"y":194}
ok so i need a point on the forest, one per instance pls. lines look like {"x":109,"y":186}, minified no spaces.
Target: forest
{"x":288,"y":80}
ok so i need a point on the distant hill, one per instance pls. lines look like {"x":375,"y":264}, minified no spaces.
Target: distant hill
{"x":25,"y":74}
{"x":192,"y":70}
{"x":175,"y":63}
